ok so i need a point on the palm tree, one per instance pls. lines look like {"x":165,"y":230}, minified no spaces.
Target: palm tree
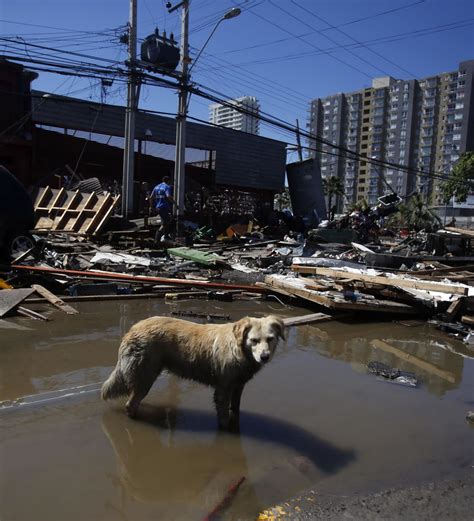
{"x":333,"y":186}
{"x":417,"y":216}
{"x":361,"y":206}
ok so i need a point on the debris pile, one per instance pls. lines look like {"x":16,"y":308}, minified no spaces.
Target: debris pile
{"x":82,"y":251}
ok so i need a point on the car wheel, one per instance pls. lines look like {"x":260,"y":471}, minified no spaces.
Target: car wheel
{"x":19,"y":244}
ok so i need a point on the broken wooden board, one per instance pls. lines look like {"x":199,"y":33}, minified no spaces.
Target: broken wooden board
{"x":388,"y":281}
{"x":333,"y":300}
{"x":200,"y":257}
{"x":468,"y":319}
{"x":461,"y":231}
{"x":72,"y":211}
{"x":307,"y":319}
{"x":10,"y":298}
{"x":414,"y":360}
{"x":54,"y":300}
{"x":454,"y":309}
{"x":31,"y":314}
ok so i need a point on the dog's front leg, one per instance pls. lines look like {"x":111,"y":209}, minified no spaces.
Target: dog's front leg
{"x":234,"y":422}
{"x":222,"y":401}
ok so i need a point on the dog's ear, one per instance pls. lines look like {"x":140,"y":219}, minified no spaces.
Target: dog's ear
{"x":241,"y":328}
{"x":278,"y":324}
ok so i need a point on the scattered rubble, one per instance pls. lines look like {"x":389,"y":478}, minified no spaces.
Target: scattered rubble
{"x":393,"y":375}
{"x":350,"y":265}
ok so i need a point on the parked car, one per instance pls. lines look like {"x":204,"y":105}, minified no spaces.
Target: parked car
{"x":17,"y":217}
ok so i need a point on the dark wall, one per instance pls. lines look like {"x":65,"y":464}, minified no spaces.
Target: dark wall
{"x":242,"y":159}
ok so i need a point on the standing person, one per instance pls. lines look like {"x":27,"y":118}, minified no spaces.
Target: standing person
{"x":162,"y":201}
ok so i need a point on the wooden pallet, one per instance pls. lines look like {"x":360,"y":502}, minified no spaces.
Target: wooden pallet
{"x":72,"y":211}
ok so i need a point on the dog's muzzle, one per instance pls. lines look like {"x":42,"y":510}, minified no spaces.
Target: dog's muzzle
{"x":264,"y":358}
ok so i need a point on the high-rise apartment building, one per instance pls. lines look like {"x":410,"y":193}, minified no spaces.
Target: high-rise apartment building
{"x":423,"y":124}
{"x":246,"y":121}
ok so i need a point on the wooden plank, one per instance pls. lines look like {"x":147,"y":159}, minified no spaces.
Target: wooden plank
{"x":61,"y":223}
{"x":53,"y":299}
{"x":10,"y":298}
{"x":462,"y":231}
{"x":56,"y":202}
{"x":186,"y":295}
{"x":307,"y":319}
{"x":26,"y":254}
{"x":104,"y":205}
{"x":90,"y":201}
{"x":468,"y":319}
{"x":414,"y":360}
{"x":379,"y":306}
{"x":107,"y":214}
{"x":378,"y":279}
{"x":454,"y":309}
{"x":31,"y":314}
{"x":42,"y":198}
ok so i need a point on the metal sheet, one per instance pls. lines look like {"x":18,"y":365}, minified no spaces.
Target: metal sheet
{"x":306,"y":189}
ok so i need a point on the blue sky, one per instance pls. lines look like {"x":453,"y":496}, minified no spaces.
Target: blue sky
{"x":284,"y":52}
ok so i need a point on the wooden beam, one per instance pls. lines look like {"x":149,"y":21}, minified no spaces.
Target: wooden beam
{"x":54,"y":300}
{"x":454,"y":309}
{"x":468,"y":319}
{"x":414,"y":360}
{"x":378,"y":279}
{"x":307,"y":319}
{"x":462,"y":231}
{"x":336,"y":301}
{"x":31,"y":314}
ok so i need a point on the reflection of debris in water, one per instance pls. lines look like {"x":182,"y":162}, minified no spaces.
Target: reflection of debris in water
{"x":393,"y":375}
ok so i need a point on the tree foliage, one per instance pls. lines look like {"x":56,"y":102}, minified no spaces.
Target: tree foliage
{"x":362,"y":205}
{"x":332,"y":186}
{"x":461,"y":179}
{"x":416,"y":215}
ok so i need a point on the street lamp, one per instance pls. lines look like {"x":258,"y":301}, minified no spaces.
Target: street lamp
{"x":179,"y":165}
{"x":235,"y":11}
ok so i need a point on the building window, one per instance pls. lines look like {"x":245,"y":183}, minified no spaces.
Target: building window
{"x":460,"y":105}
{"x":456,"y":137}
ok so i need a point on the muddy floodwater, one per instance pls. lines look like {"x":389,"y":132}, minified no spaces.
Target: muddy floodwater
{"x":313,"y":418}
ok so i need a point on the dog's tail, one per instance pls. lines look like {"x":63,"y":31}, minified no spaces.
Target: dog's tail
{"x":115,"y":385}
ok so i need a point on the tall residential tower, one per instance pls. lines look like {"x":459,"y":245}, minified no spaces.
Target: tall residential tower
{"x":246,"y":121}
{"x":423,"y":124}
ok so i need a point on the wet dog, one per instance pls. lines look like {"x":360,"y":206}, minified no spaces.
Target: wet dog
{"x":224,"y":357}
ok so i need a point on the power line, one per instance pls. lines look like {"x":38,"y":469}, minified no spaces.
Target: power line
{"x":214,"y":96}
{"x":331,"y":26}
{"x":305,"y":41}
{"x":287,"y":126}
{"x":376,"y":41}
{"x":265,"y":44}
{"x":291,"y":15}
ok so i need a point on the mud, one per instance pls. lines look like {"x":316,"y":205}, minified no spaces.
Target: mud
{"x":313,"y":418}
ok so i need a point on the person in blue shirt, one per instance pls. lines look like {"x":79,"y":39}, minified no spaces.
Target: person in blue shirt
{"x":161,"y":200}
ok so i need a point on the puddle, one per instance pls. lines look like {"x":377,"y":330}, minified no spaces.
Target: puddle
{"x":312,"y":418}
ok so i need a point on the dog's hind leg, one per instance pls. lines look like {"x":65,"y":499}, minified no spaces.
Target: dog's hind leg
{"x":140,"y":385}
{"x":222,"y":401}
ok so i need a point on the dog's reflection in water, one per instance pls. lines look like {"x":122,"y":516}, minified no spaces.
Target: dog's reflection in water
{"x":179,"y":470}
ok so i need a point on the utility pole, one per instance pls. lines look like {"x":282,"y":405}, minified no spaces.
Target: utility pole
{"x":129,"y":132}
{"x":179,"y":164}
{"x":298,"y":141}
